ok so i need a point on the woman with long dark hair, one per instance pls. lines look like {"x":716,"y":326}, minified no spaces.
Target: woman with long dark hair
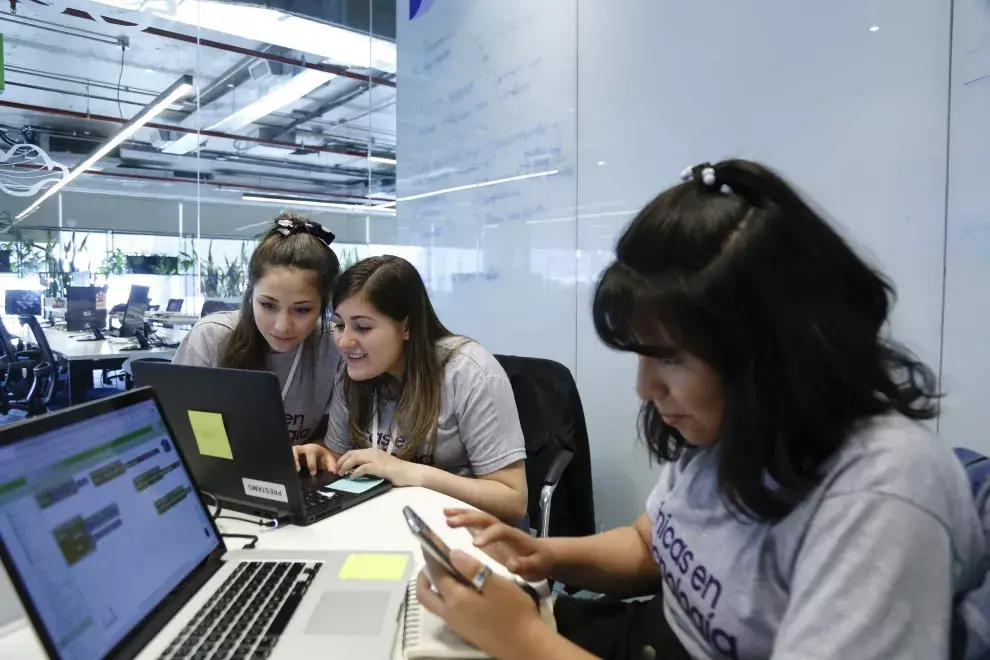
{"x":417,"y":404}
{"x":804,"y":510}
{"x":283,"y":325}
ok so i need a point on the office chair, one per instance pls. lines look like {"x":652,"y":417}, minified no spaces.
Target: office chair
{"x":558,"y":456}
{"x":26,"y":375}
{"x":213,"y":306}
{"x":174,"y":305}
{"x":45,"y":374}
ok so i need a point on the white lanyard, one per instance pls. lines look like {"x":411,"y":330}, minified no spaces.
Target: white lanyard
{"x":393,"y":430}
{"x":292,"y":372}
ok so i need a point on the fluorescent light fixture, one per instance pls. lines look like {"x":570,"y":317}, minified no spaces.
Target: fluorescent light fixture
{"x":314,"y":203}
{"x":178,"y":89}
{"x":269,"y":26}
{"x":382,"y":160}
{"x":875,"y":28}
{"x":470,"y":186}
{"x":278,"y":97}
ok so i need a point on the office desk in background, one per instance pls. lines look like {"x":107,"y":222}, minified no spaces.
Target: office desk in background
{"x":376,"y":526}
{"x":83,"y":357}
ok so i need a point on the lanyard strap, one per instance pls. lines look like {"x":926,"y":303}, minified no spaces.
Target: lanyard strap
{"x":393,"y":431}
{"x":292,"y":372}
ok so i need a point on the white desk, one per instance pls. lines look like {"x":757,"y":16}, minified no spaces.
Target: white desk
{"x":68,"y":346}
{"x":85,"y":356}
{"x":171,"y":318}
{"x":376,"y":525}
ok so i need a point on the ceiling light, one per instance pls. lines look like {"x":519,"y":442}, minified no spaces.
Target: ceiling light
{"x":177,"y":90}
{"x":483,"y":184}
{"x":316,"y":203}
{"x":270,"y":26}
{"x":874,"y":28}
{"x":382,"y":159}
{"x":278,"y":97}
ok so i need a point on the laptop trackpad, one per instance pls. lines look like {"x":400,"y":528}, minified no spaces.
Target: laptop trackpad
{"x":349,"y":613}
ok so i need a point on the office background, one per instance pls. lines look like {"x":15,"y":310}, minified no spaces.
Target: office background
{"x":382,"y":119}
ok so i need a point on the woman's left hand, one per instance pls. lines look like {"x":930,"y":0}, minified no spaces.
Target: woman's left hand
{"x":362,"y":462}
{"x":498,"y":620}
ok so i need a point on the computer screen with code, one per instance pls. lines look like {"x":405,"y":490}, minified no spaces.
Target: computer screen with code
{"x":101,"y":521}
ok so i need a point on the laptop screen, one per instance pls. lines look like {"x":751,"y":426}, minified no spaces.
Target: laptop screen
{"x":102,"y":522}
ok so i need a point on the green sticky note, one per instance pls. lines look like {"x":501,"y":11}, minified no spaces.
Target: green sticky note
{"x":356,"y":486}
{"x":211,"y":434}
{"x":380,"y":567}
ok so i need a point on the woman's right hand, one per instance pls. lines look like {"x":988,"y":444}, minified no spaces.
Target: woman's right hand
{"x":314,"y":456}
{"x":519,"y":552}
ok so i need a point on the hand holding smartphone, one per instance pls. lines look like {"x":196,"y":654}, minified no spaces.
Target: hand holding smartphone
{"x":438,"y":552}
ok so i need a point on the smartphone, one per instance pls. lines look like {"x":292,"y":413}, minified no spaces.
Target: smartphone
{"x":432,"y":545}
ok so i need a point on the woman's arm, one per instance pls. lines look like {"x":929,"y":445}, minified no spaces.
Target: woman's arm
{"x":618,"y":562}
{"x":502,"y":493}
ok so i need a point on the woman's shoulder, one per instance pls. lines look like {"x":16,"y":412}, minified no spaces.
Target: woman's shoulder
{"x":215,"y":328}
{"x":466,"y":357}
{"x":899,"y":457}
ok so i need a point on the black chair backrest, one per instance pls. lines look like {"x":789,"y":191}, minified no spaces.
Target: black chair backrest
{"x":552,"y":419}
{"x":118,"y":309}
{"x":212,"y":306}
{"x":40,"y":339}
{"x":47,"y":355}
{"x":7,"y":343}
{"x":174,"y":305}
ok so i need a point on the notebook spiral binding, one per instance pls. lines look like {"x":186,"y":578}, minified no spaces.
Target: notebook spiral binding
{"x":412,"y":618}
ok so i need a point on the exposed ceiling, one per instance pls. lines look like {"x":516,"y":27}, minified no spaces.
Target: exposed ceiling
{"x":287,"y":106}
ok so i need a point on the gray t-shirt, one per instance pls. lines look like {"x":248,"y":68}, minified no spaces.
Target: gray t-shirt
{"x":478,"y":431}
{"x":865,"y":567}
{"x":309,"y":395}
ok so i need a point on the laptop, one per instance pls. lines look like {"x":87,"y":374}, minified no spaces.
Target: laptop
{"x":114,"y":556}
{"x":251,"y":468}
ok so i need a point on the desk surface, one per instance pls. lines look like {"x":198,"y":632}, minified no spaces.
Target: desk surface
{"x":69,"y":347}
{"x":172,"y":318}
{"x":376,"y":525}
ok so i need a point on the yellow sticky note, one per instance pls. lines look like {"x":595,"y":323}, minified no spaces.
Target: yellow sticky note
{"x":388,"y":568}
{"x":211,"y":435}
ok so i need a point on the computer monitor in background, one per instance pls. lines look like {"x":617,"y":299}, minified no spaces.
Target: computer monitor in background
{"x":84,"y":310}
{"x":21,"y":302}
{"x":174,"y":304}
{"x":137,"y":305}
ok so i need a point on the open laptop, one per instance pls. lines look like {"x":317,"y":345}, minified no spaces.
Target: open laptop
{"x":114,"y":556}
{"x":241,"y":452}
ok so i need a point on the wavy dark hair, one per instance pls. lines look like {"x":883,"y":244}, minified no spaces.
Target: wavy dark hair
{"x":742,"y":273}
{"x":246,"y":348}
{"x":394,"y":287}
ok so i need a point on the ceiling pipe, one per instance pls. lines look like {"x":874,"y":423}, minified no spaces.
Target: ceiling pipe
{"x":210,"y":43}
{"x":220,"y":185}
{"x":182,"y":129}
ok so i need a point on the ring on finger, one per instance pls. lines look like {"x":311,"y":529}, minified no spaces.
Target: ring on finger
{"x":479,"y":579}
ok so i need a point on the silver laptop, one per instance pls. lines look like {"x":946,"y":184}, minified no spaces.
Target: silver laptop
{"x":114,"y":555}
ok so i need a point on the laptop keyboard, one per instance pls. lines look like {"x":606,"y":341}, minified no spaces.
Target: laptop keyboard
{"x":244,"y":619}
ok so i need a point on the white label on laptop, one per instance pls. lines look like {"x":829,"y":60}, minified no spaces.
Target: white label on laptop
{"x":265,"y":489}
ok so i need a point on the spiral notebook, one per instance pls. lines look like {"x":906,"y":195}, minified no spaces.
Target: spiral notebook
{"x":425,"y":636}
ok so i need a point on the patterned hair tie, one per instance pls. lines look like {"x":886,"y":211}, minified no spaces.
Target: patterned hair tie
{"x":705,"y":173}
{"x":289,"y":226}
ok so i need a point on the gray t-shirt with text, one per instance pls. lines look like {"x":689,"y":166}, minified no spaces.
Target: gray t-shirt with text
{"x":865,"y":567}
{"x":310,"y":393}
{"x":478,"y":431}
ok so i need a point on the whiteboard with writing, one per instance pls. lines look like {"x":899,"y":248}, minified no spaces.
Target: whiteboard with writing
{"x":966,"y":341}
{"x":848,"y":99}
{"x":482,"y":99}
